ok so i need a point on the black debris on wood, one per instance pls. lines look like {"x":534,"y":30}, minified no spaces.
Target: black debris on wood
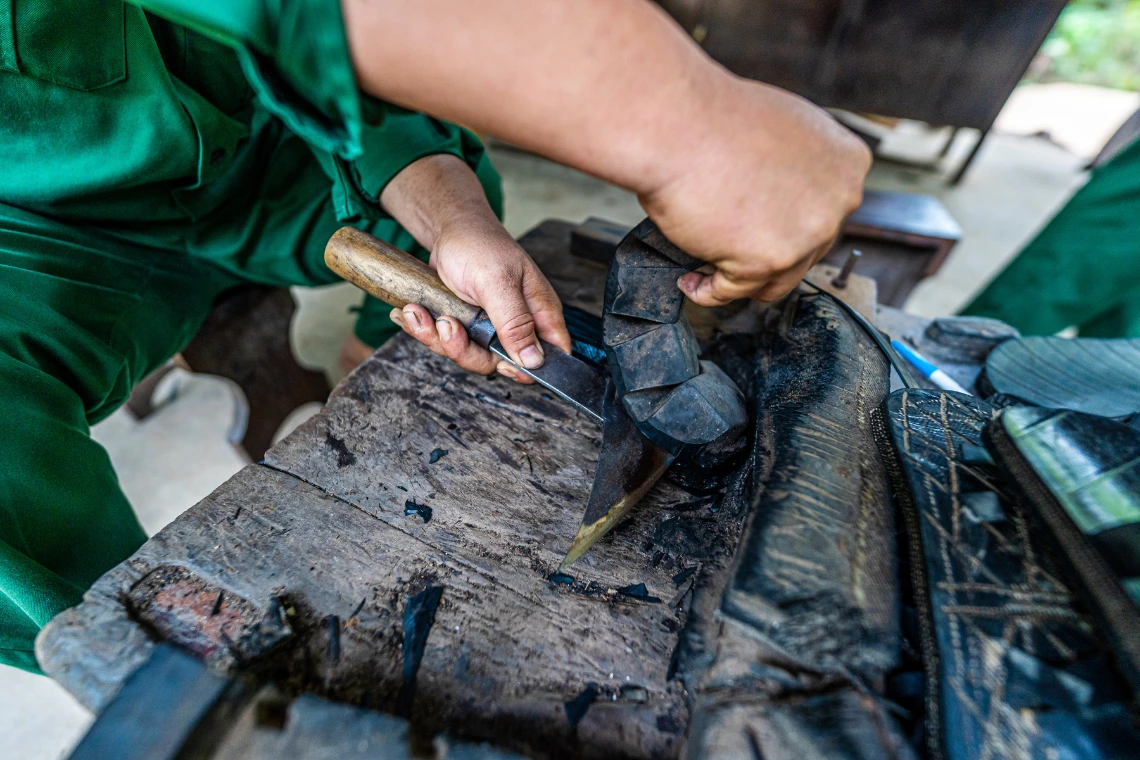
{"x":419,"y":614}
{"x":359,"y":607}
{"x":639,"y":592}
{"x":270,"y":631}
{"x":680,"y":595}
{"x":684,"y":575}
{"x":218,"y":603}
{"x":576,"y":708}
{"x":436,"y":455}
{"x":424,"y":511}
{"x":332,"y":622}
{"x":691,"y":504}
{"x":560,"y":579}
{"x":344,"y":457}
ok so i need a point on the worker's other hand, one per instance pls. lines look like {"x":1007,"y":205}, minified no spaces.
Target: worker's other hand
{"x":439,"y":200}
{"x":763,"y":198}
{"x":746,"y":176}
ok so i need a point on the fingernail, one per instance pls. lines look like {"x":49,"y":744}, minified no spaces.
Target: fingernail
{"x":688,"y":282}
{"x":506,"y":370}
{"x":531,"y":357}
{"x":445,"y":329}
{"x":397,"y":316}
{"x":413,"y":319}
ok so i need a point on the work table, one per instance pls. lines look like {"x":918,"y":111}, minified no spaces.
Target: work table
{"x":420,"y":487}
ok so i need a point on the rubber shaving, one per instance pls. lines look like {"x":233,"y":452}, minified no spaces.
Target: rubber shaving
{"x":577,"y":707}
{"x":419,"y":615}
{"x":424,"y":511}
{"x":684,"y":575}
{"x":639,"y":592}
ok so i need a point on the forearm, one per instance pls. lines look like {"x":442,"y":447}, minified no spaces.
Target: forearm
{"x":747,"y":177}
{"x":434,"y":193}
{"x":611,"y":87}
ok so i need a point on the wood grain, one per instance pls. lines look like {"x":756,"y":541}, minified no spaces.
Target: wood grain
{"x":323,"y":525}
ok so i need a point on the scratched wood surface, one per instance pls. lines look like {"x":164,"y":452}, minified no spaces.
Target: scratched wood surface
{"x":305,"y":566}
{"x":323,"y":525}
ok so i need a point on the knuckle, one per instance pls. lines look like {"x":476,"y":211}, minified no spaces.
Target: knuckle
{"x":516,"y":327}
{"x":818,"y":227}
{"x":471,"y":358}
{"x":456,"y":353}
{"x":480,"y":367}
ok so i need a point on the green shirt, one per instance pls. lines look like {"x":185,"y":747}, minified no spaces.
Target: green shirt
{"x":158,"y":111}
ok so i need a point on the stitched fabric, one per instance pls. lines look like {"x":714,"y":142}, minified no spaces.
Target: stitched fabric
{"x":1014,"y":667}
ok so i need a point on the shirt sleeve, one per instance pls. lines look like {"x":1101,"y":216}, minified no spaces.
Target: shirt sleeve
{"x":295,"y":55}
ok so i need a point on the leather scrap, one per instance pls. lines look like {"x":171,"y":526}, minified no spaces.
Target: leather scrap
{"x":1081,"y":473}
{"x":1091,"y":375}
{"x":1014,"y":668}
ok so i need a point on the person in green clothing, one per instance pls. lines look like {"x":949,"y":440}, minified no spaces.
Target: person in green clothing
{"x":1083,"y":269}
{"x":156,"y":153}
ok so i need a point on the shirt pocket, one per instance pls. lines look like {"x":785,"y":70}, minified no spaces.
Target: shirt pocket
{"x":80,"y":44}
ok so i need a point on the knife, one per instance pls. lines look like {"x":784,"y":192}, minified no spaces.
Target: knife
{"x":629,"y":463}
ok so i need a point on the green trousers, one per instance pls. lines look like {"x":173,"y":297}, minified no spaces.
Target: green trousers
{"x":85,"y":313}
{"x":1083,"y":269}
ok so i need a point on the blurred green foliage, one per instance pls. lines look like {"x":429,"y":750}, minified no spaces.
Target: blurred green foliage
{"x":1094,"y":42}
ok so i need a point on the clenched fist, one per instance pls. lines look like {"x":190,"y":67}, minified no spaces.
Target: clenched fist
{"x":761,"y":204}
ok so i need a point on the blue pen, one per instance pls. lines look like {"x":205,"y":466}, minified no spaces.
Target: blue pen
{"x":927,"y":368}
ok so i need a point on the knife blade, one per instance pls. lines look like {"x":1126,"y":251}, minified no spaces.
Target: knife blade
{"x":568,"y":377}
{"x":628,"y":464}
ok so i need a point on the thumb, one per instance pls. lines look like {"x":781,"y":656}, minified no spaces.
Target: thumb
{"x":711,"y":289}
{"x":507,"y":309}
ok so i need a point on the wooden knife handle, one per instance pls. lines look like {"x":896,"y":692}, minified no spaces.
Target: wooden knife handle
{"x":395,"y":277}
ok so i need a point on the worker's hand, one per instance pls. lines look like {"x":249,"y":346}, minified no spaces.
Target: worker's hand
{"x":483,"y":265}
{"x":761,"y":203}
{"x":439,"y":200}
{"x":748,"y":177}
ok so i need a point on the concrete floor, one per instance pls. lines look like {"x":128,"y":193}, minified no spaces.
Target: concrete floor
{"x":180,"y":454}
